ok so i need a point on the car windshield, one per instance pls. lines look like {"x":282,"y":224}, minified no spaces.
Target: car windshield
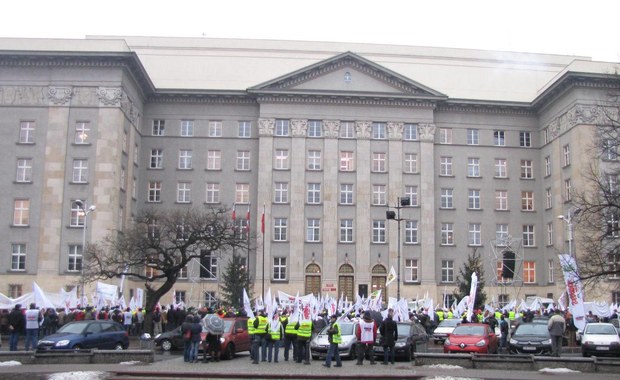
{"x":449,"y":323}
{"x":468,"y":330}
{"x":73,"y":328}
{"x":345,"y":329}
{"x":403,"y":329}
{"x":601,"y":329}
{"x":532,"y":329}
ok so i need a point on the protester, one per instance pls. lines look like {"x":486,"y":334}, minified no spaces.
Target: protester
{"x":196,"y":330}
{"x":366,"y":334}
{"x":334,"y":336}
{"x":304,"y":335}
{"x":274,"y":336}
{"x":260,"y":337}
{"x":389,"y":336}
{"x":186,"y":332}
{"x":212,"y":346}
{"x":33,"y":321}
{"x":503,"y":330}
{"x":556,"y":326}
{"x":157,"y":324}
{"x":290,"y":337}
{"x":17,"y":323}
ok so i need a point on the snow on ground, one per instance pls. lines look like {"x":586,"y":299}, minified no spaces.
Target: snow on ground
{"x":443,"y":366}
{"x":557,"y":370}
{"x":10,"y":363}
{"x":131,"y":362}
{"x":81,"y":375}
{"x":448,"y":378}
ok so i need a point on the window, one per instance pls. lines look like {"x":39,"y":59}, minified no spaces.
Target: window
{"x":411,"y":163}
{"x":347,"y":163}
{"x":547,"y":166}
{"x":213,"y":193}
{"x":610,"y":150}
{"x":473,"y":137}
{"x":243,"y":160}
{"x":446,"y":198}
{"x":527,"y":201}
{"x":184,"y":191}
{"x":566,"y":154}
{"x":315,"y":128}
{"x":445,"y":136}
{"x":214,"y":160}
{"x":346,"y":194}
{"x":26,"y":132}
{"x":501,"y":168}
{"x":313,"y":193}
{"x":412,"y":193}
{"x":282,"y":127}
{"x":123,"y":179}
{"x":242,"y":193}
{"x":568,"y":190}
{"x":525,"y":139}
{"x":347,"y":130}
{"x":378,"y":231}
{"x":185,"y":159}
{"x":612,"y":180}
{"x":501,"y":234}
{"x":501,"y":200}
{"x":475,"y":234}
{"x":411,"y":232}
{"x":410,"y":132}
{"x":551,"y":271}
{"x":280,"y":227}
{"x":281,"y":159}
{"x":74,"y":258}
{"x":445,"y":166}
{"x":157,"y":159}
{"x":125,"y":142}
{"x":529,"y":272}
{"x":208,"y":265}
{"x":473,"y":199}
{"x":215,"y":129}
{"x":280,"y":194}
{"x":18,"y":257}
{"x":244,"y":129}
{"x":314,"y":160}
{"x":498,"y":138}
{"x":379,"y":162}
{"x":379,"y":131}
{"x":447,"y":234}
{"x":473,"y":167}
{"x":24,"y":170}
{"x":154,"y":191}
{"x":346,"y":230}
{"x":613,"y":265}
{"x":158,"y":127}
{"x":313,"y":230}
{"x":546,"y":135}
{"x":15,"y":290}
{"x":80,"y":171}
{"x":279,"y":268}
{"x":528,"y":236}
{"x":21,"y":212}
{"x":411,"y":270}
{"x":82,"y":130}
{"x":187,"y":128}
{"x":549,"y":234}
{"x":134,"y":188}
{"x":527,"y":171}
{"x":613,"y":225}
{"x":548,"y":198}
{"x":379,"y":196}
{"x":447,"y":271}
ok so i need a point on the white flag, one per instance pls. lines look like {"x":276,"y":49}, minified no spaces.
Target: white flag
{"x":391,"y":276}
{"x":246,"y":304}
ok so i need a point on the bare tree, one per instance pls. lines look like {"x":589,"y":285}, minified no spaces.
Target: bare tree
{"x":158,"y":246}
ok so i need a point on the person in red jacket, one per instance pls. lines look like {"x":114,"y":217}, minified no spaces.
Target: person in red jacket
{"x":366,"y":334}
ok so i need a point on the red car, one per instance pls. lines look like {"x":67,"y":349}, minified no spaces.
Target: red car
{"x":471,"y":337}
{"x":235,"y":338}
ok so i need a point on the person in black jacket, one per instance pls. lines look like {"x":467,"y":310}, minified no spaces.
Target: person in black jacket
{"x":17,"y":322}
{"x":389,"y":335}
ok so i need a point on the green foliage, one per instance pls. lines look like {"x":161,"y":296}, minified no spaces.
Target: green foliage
{"x":474,"y":263}
{"x":234,"y":280}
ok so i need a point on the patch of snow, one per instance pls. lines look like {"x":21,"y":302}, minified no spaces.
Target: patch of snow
{"x":449,"y":378}
{"x":557,"y":370}
{"x":80,"y":375}
{"x":10,"y":363}
{"x":443,"y":366}
{"x":131,"y":362}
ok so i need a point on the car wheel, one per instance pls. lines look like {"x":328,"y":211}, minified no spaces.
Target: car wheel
{"x":230,"y":352}
{"x":119,"y":346}
{"x":166,"y":345}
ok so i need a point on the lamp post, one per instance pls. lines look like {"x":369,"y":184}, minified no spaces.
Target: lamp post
{"x":85,"y":211}
{"x":391,"y":215}
{"x":568,"y":219}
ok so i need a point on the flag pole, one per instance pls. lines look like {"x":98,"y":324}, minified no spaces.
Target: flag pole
{"x":247,"y":260}
{"x":263,"y":230}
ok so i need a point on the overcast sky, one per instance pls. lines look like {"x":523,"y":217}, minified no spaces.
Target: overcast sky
{"x":585,"y":28}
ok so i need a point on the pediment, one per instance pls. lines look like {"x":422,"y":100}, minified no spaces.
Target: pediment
{"x":347,"y":74}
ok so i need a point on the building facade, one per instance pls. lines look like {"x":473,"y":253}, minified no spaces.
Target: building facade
{"x":474,"y":151}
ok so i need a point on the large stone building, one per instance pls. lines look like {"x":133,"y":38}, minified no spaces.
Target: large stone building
{"x":472,"y":150}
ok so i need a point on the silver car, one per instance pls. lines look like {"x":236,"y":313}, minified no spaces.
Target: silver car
{"x":320,"y":344}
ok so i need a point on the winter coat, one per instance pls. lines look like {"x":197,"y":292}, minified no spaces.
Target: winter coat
{"x":389,"y":332}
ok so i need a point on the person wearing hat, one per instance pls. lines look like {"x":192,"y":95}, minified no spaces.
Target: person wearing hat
{"x":334,"y":336}
{"x":16,"y":326}
{"x":366,"y":334}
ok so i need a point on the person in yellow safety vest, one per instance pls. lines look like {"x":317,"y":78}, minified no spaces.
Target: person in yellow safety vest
{"x":440,"y":315}
{"x":334,"y":336}
{"x":450,"y":314}
{"x":304,"y":334}
{"x":290,"y":337}
{"x":511,"y":315}
{"x":274,"y":335}
{"x":260,"y":337}
{"x":251,"y":333}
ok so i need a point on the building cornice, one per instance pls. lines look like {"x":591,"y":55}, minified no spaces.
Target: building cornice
{"x":387,"y":101}
{"x":488,"y":107}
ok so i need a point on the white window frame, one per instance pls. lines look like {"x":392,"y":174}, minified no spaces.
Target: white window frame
{"x":346,"y":194}
{"x":447,"y":234}
{"x":214,"y":160}
{"x":82,"y":131}
{"x":410,"y":163}
{"x":185,"y":159}
{"x":158,"y":127}
{"x":501,"y":168}
{"x":314,"y":160}
{"x":379,"y":162}
{"x":184,"y":192}
{"x":475,"y":234}
{"x":156,"y":160}
{"x":410,"y":132}
{"x":24,"y":170}
{"x":411,"y":270}
{"x":313,"y":230}
{"x":378,"y":231}
{"x":473,"y":136}
{"x":280,"y":229}
{"x":212,"y":193}
{"x":346,"y":231}
{"x":243,"y":160}
{"x":279,"y":268}
{"x":244,"y":129}
{"x":313,"y":193}
{"x":280,"y":193}
{"x":187,"y":128}
{"x":445,"y":166}
{"x":27,"y":129}
{"x":411,"y":232}
{"x":379,"y":195}
{"x":215,"y":128}
{"x":501,"y":200}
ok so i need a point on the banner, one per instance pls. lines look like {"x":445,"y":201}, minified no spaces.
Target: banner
{"x":391,"y":276}
{"x":106,"y":291}
{"x":472,"y":296}
{"x":574,"y":289}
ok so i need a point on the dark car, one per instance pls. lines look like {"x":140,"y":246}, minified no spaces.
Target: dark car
{"x":412,"y":337}
{"x":530,"y":338}
{"x":170,"y":340}
{"x":104,"y":335}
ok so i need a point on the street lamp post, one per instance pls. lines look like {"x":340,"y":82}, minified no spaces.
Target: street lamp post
{"x":391,"y":215}
{"x":85,"y":211}
{"x":568,"y":219}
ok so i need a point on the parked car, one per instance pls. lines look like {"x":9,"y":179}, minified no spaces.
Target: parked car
{"x":320,"y":344}
{"x":412,"y":337}
{"x":471,"y":337}
{"x":170,"y":340}
{"x":530,"y":338}
{"x":103,"y":335}
{"x":444,"y":329}
{"x":600,"y":339}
